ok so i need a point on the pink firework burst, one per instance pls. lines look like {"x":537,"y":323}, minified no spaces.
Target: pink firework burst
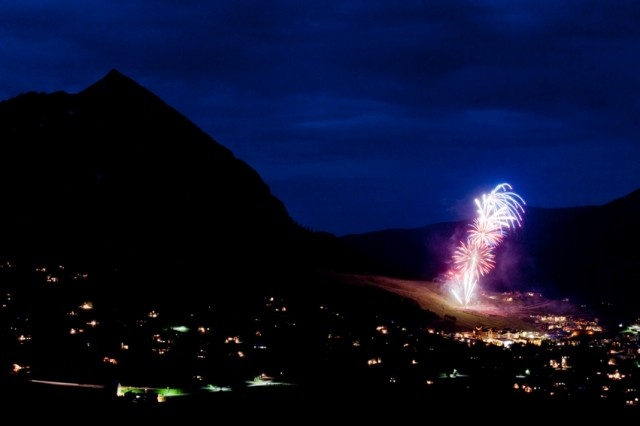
{"x":475,"y":258}
{"x":497,"y":211}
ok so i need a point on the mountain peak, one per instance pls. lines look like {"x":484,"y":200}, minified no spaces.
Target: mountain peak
{"x":116,"y":84}
{"x":114,"y":77}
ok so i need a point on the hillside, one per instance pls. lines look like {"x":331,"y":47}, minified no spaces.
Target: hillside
{"x":584,"y":254}
{"x":496,"y":310}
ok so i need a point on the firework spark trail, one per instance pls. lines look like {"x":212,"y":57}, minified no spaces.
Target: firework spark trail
{"x":497,"y":211}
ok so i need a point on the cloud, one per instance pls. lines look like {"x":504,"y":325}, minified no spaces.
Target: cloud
{"x":413,"y":102}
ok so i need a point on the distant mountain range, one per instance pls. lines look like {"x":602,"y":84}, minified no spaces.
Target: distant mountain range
{"x":115,"y":181}
{"x":589,"y":255}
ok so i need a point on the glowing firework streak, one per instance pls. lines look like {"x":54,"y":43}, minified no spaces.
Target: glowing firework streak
{"x":497,"y":211}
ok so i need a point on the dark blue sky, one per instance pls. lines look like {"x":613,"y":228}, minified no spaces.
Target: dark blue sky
{"x":372,"y":114}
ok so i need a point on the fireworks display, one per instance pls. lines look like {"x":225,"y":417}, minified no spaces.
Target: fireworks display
{"x":497,"y":212}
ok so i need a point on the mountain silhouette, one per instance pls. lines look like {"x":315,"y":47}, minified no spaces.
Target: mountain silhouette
{"x":117,"y":181}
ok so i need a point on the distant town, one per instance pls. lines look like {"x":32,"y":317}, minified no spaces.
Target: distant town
{"x":58,"y":332}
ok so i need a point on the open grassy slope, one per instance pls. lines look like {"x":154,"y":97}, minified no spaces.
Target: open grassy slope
{"x":490,"y":309}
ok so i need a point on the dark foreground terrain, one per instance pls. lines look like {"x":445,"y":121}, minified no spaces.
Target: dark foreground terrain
{"x":292,"y":405}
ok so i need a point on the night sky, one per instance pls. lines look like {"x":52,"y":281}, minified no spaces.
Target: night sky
{"x":368,"y":115}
